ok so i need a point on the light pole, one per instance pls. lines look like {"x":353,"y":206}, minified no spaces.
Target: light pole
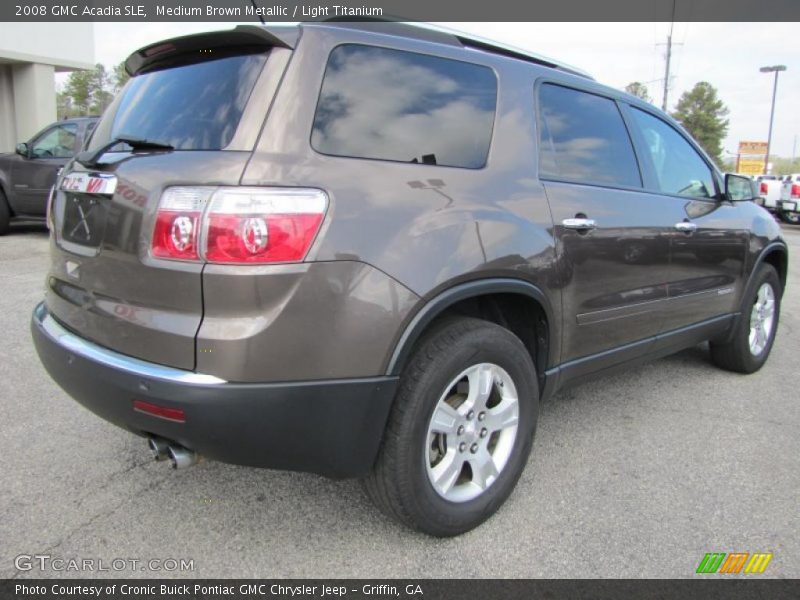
{"x":773,"y":69}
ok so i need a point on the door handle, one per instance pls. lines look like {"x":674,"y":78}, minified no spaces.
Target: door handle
{"x":686,"y":226}
{"x":581,"y":224}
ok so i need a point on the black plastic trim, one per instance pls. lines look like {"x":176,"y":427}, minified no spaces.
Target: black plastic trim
{"x":436,"y":305}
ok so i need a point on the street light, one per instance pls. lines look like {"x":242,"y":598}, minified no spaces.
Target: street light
{"x":773,"y":69}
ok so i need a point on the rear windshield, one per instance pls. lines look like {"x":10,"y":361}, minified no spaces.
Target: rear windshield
{"x":191,"y":107}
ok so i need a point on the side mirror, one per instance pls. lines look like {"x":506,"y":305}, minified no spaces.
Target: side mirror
{"x":738,"y":188}
{"x":23,"y":150}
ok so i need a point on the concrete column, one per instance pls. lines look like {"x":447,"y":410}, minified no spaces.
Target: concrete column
{"x":34,"y":98}
{"x":8,"y":129}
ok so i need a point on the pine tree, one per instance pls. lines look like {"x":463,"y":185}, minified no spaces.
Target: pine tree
{"x":703,"y":115}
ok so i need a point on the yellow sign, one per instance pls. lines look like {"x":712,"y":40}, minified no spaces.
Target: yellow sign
{"x":753,"y":148}
{"x":750,"y":166}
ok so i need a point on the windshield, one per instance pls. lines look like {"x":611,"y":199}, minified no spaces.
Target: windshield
{"x":190,"y":107}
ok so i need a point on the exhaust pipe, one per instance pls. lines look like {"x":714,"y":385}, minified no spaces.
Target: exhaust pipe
{"x":158,"y":447}
{"x":180,"y":457}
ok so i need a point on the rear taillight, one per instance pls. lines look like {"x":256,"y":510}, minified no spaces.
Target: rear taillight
{"x":240,"y":225}
{"x":763,"y":187}
{"x":795,"y":190}
{"x":176,"y":234}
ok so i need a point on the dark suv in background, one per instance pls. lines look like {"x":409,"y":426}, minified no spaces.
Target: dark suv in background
{"x":28,"y":174}
{"x":370,"y":250}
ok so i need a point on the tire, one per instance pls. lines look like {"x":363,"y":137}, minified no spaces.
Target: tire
{"x":401,"y":483}
{"x":737,"y":354}
{"x":5,"y":214}
{"x":790,"y":218}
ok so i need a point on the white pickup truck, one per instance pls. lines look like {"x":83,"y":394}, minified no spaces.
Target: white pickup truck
{"x":769,"y":191}
{"x":789,"y":204}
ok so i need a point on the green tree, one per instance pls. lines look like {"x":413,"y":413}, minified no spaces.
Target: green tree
{"x":703,"y":115}
{"x":638,"y":89}
{"x":120,"y":76}
{"x":78,"y":90}
{"x":86,"y":92}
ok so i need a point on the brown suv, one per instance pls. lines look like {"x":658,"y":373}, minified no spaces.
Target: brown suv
{"x":370,"y":250}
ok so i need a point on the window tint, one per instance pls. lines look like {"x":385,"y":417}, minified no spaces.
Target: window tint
{"x":58,"y":142}
{"x":191,"y":107}
{"x":582,"y":137}
{"x":679,"y":169}
{"x":407,"y":107}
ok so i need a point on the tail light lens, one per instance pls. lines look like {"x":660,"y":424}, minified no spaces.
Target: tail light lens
{"x":177,"y":229}
{"x":240,"y":225}
{"x":763,"y":187}
{"x":795,"y":189}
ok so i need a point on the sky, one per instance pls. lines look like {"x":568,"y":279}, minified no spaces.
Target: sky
{"x":727,"y":55}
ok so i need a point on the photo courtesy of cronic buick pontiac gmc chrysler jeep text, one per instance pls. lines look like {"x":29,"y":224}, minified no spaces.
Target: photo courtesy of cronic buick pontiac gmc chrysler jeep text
{"x":371,"y":249}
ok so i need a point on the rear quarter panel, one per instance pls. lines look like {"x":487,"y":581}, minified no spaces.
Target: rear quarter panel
{"x":427,"y":227}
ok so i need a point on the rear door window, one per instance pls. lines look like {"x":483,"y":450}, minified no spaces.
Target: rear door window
{"x":190,"y":107}
{"x":583,"y":138}
{"x":401,"y":106}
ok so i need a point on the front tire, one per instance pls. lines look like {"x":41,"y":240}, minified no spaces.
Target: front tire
{"x":460,"y":430}
{"x":749,"y":347}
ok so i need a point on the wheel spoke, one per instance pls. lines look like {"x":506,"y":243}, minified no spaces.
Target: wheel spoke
{"x":502,"y":416}
{"x":445,"y":419}
{"x":764,"y":334}
{"x":484,"y":471}
{"x":447,"y":471}
{"x":481,"y":382}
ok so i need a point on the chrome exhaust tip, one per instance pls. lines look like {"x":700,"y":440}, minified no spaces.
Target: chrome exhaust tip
{"x":181,"y":458}
{"x":158,"y":447}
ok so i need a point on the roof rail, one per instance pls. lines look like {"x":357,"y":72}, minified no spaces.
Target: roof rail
{"x":442,"y":35}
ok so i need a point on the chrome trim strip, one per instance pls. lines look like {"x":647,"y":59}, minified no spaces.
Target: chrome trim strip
{"x":77,"y":345}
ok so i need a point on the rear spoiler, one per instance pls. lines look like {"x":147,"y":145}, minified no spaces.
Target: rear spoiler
{"x":177,"y":50}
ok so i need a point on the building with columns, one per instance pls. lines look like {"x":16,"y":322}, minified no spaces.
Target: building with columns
{"x":30,"y":55}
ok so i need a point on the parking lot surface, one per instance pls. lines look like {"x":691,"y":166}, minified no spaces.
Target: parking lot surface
{"x":635,"y":475}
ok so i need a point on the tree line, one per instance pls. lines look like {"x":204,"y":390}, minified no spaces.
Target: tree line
{"x":90,"y":92}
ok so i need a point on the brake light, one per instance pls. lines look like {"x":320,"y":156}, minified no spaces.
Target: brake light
{"x":177,"y":228}
{"x":763,"y":187}
{"x":795,"y":190}
{"x":240,"y":225}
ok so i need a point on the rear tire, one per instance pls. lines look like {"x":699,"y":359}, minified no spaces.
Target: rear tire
{"x":5,"y":214}
{"x":478,"y":380}
{"x":750,"y":344}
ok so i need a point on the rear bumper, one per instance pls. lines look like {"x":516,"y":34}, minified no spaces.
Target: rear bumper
{"x":333,"y":428}
{"x":789,"y":205}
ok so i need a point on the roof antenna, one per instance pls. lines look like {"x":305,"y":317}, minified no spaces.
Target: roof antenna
{"x":257,"y":8}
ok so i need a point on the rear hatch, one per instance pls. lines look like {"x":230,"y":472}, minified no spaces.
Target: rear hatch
{"x":203,"y":98}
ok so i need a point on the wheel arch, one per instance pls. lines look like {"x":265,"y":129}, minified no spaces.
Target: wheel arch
{"x":776,"y":255}
{"x":490,"y":299}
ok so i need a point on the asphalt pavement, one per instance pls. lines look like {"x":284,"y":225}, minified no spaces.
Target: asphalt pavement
{"x":635,"y":475}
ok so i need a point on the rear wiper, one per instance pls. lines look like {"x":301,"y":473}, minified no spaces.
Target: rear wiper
{"x":90,"y":158}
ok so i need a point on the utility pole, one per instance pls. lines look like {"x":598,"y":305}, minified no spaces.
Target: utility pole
{"x":774,"y":69}
{"x":669,"y":58}
{"x":666,"y":70}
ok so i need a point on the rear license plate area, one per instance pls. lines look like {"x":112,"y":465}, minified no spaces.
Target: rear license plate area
{"x":84,"y":219}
